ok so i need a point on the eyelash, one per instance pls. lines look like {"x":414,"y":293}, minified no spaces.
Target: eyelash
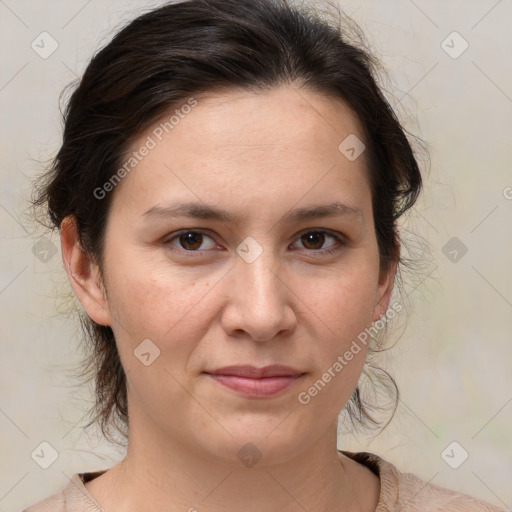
{"x":340,"y":242}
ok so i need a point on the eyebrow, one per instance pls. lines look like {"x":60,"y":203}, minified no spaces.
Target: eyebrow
{"x":208,"y":212}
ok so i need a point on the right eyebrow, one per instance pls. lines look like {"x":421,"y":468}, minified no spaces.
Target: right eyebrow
{"x":193,"y":210}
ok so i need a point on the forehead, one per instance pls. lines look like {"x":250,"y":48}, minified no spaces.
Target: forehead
{"x":265,"y":119}
{"x":242,"y":146}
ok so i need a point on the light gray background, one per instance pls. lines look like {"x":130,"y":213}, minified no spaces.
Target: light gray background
{"x":454,"y":362}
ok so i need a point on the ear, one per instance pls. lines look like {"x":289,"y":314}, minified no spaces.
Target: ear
{"x":384,"y":289}
{"x":83,"y":273}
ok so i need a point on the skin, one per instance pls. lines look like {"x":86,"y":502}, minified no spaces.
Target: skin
{"x":258,"y":156}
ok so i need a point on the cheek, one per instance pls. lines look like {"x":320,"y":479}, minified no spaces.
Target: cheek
{"x":344,"y":307}
{"x":166,"y":313}
{"x":345,"y":303}
{"x":344,"y":310}
{"x":146,"y":303}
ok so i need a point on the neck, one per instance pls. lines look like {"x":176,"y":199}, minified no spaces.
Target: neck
{"x":157,"y":474}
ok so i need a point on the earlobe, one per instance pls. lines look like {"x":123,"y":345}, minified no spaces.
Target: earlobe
{"x":83,"y":274}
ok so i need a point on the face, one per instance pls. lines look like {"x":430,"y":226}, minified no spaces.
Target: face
{"x":243,"y":238}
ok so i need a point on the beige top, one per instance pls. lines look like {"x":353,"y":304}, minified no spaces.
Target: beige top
{"x":398,"y":492}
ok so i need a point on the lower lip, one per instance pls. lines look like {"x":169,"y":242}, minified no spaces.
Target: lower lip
{"x":258,"y":388}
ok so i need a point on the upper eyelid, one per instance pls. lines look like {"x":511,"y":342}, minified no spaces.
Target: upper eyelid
{"x":331,"y":232}
{"x":168,"y":238}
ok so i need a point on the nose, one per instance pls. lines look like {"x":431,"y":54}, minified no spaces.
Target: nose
{"x":260,"y":302}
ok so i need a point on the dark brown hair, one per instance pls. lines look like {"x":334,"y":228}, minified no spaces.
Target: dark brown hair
{"x":161,"y":59}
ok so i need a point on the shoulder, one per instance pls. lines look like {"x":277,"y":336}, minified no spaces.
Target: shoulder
{"x":54,"y":503}
{"x":73,"y":498}
{"x":407,"y":492}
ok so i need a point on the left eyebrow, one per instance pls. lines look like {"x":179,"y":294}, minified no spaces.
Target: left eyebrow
{"x":335,"y":209}
{"x":208,"y":212}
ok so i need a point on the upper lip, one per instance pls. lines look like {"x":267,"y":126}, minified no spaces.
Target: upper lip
{"x":274,"y":370}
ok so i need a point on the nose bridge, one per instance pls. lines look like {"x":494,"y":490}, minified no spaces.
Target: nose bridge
{"x":259,"y":305}
{"x":258,"y":279}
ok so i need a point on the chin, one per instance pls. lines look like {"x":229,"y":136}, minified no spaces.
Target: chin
{"x":252,"y":444}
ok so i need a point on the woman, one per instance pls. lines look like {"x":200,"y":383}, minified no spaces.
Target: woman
{"x":227,"y":194}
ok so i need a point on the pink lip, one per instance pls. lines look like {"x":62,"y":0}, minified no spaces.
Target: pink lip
{"x":256,"y":382}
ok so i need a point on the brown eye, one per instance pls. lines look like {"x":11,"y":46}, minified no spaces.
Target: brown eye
{"x":313,"y":240}
{"x":191,"y":241}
